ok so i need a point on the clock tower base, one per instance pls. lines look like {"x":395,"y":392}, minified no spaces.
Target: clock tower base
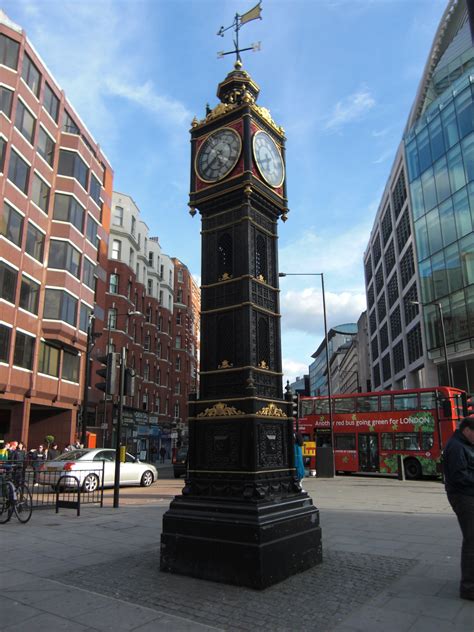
{"x":252,"y":545}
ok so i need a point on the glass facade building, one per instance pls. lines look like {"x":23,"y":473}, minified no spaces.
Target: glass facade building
{"x":419,"y":263}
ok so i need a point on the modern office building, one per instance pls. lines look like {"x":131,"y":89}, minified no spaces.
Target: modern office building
{"x":419,"y":263}
{"x":56,"y":188}
{"x":318,"y":374}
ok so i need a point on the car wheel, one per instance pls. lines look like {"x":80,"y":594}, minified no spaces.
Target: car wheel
{"x":90,"y":484}
{"x":412,"y":469}
{"x":147,"y":479}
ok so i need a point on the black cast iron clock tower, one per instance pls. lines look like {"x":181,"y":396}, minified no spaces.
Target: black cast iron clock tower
{"x":243,"y":517}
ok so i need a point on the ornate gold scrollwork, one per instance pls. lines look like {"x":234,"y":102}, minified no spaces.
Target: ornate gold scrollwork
{"x":271,"y":410}
{"x":263,"y":365}
{"x":261,"y":278}
{"x":265,"y":114}
{"x":225,"y":364}
{"x":221,"y":410}
{"x":225,"y":277}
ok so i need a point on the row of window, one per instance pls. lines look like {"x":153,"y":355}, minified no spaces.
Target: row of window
{"x":115,"y":288}
{"x":52,"y":360}
{"x":389,"y":441}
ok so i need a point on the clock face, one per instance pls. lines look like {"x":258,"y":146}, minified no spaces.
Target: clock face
{"x":268,"y":159}
{"x":218,"y":154}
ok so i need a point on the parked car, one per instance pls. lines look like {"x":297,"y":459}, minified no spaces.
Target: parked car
{"x":180,"y":462}
{"x":87,"y":466}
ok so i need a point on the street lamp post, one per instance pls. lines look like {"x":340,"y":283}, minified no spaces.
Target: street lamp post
{"x":443,"y":335}
{"x":328,"y":367}
{"x":85,"y":397}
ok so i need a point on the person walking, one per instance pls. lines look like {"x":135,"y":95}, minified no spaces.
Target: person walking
{"x":162,"y":453}
{"x":458,"y":462}
{"x":53,"y":452}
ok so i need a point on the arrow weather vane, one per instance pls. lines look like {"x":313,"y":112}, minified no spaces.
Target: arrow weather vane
{"x":239,"y":21}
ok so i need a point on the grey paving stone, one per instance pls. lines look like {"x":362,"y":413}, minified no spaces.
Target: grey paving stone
{"x":322,"y":596}
{"x":436,"y":606}
{"x":369,"y":619}
{"x":116,"y":616}
{"x":44,"y":622}
{"x":167,"y":623}
{"x":431,"y":624}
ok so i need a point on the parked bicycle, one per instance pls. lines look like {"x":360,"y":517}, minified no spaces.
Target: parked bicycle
{"x":15,"y":497}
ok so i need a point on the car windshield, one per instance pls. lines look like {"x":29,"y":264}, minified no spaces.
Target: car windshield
{"x":72,"y":455}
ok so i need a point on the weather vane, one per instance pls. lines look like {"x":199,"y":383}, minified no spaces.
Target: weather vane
{"x":239,"y":21}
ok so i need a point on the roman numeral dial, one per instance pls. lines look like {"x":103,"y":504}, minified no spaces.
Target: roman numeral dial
{"x":218,"y":155}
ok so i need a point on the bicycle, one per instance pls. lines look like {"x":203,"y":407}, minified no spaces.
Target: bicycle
{"x":15,"y":498}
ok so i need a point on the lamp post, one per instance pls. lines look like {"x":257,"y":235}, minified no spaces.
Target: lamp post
{"x":328,"y":367}
{"x":85,"y":398}
{"x":443,"y":334}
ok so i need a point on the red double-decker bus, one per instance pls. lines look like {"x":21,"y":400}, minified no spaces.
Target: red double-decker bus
{"x":370,"y":430}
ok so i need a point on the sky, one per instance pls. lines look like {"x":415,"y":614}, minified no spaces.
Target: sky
{"x":338,"y":75}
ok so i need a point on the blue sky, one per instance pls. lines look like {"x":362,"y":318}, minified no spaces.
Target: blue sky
{"x":338,"y":75}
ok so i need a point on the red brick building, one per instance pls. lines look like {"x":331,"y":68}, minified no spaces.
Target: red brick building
{"x":56,"y":188}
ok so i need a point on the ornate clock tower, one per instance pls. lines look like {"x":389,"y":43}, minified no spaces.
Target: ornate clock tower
{"x":243,"y":517}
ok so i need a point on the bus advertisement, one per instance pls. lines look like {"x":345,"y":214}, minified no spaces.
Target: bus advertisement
{"x":370,"y":430}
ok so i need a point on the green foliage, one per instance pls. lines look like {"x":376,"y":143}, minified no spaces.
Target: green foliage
{"x":49,"y":440}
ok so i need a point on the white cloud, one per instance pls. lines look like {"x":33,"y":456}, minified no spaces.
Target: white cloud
{"x":293,"y":369}
{"x":350,"y":108}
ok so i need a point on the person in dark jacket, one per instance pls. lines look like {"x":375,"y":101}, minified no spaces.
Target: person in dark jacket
{"x":458,"y":460}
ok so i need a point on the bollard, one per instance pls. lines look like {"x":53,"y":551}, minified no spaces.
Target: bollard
{"x":401,"y":469}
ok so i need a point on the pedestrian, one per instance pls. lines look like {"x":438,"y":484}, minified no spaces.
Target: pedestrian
{"x":458,"y":463}
{"x":37,"y":457}
{"x":19,"y":457}
{"x":299,"y":465}
{"x":53,"y":452}
{"x":162,"y":453}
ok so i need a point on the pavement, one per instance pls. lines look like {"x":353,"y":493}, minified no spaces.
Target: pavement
{"x":390,"y":562}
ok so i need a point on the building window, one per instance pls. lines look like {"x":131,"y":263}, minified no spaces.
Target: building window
{"x":69,"y":125}
{"x":40,"y":193}
{"x":403,"y":231}
{"x":51,"y":103}
{"x":375,"y":349}
{"x":63,"y":256}
{"x":114,"y":283}
{"x":46,"y":146}
{"x":6,"y":99}
{"x":158,"y":350}
{"x":263,"y":342}
{"x":88,"y":270}
{"x":95,"y":189}
{"x":68,"y":209}
{"x":376,"y":249}
{"x":31,"y":76}
{"x":11,"y":224}
{"x":84,"y":316}
{"x":24,"y":350}
{"x":261,"y":258}
{"x":72,"y":166}
{"x":381,"y":308}
{"x":224,"y":256}
{"x":386,"y":225}
{"x":59,"y":305}
{"x":386,"y":371}
{"x":116,"y":249}
{"x":376,"y":372}
{"x":177,"y":364}
{"x":48,"y":360}
{"x":399,"y":194}
{"x":150,"y":287}
{"x":379,"y":279}
{"x":34,"y":242}
{"x":8,"y":277}
{"x":177,"y":388}
{"x":5,"y":339}
{"x":18,"y":171}
{"x":91,"y":230}
{"x":3,"y":151}
{"x":389,"y":258}
{"x":178,"y":342}
{"x":71,"y":366}
{"x":383,"y":337}
{"x":407,"y":267}
{"x":147,"y":342}
{"x":178,"y":318}
{"x":398,"y":357}
{"x":372,"y":322}
{"x":130,"y":259}
{"x":118,"y":216}
{"x":414,"y":344}
{"x":29,"y":295}
{"x":392,"y":289}
{"x":368,"y":269}
{"x":25,"y":122}
{"x":179,"y":296}
{"x":112,"y":318}
{"x":133,"y":227}
{"x":395,"y":323}
{"x":410,"y":310}
{"x":9,"y":50}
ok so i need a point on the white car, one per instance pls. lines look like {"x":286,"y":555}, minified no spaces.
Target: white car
{"x":89,"y":466}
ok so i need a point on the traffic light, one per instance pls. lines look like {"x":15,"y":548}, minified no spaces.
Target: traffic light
{"x":109,"y":372}
{"x":129,"y":383}
{"x":294,"y":410}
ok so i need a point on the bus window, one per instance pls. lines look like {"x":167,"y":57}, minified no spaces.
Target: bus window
{"x":427,"y":440}
{"x":427,"y":401}
{"x":407,"y":441}
{"x":367,"y":404}
{"x":387,"y":440}
{"x":321,"y":406}
{"x":405,"y":402}
{"x":344,"y":405}
{"x":345,"y":442}
{"x":386,"y":402}
{"x":306,"y":407}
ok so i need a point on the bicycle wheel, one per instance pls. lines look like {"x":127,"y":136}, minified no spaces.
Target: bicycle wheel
{"x":24,"y":503}
{"x":6,"y":507}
